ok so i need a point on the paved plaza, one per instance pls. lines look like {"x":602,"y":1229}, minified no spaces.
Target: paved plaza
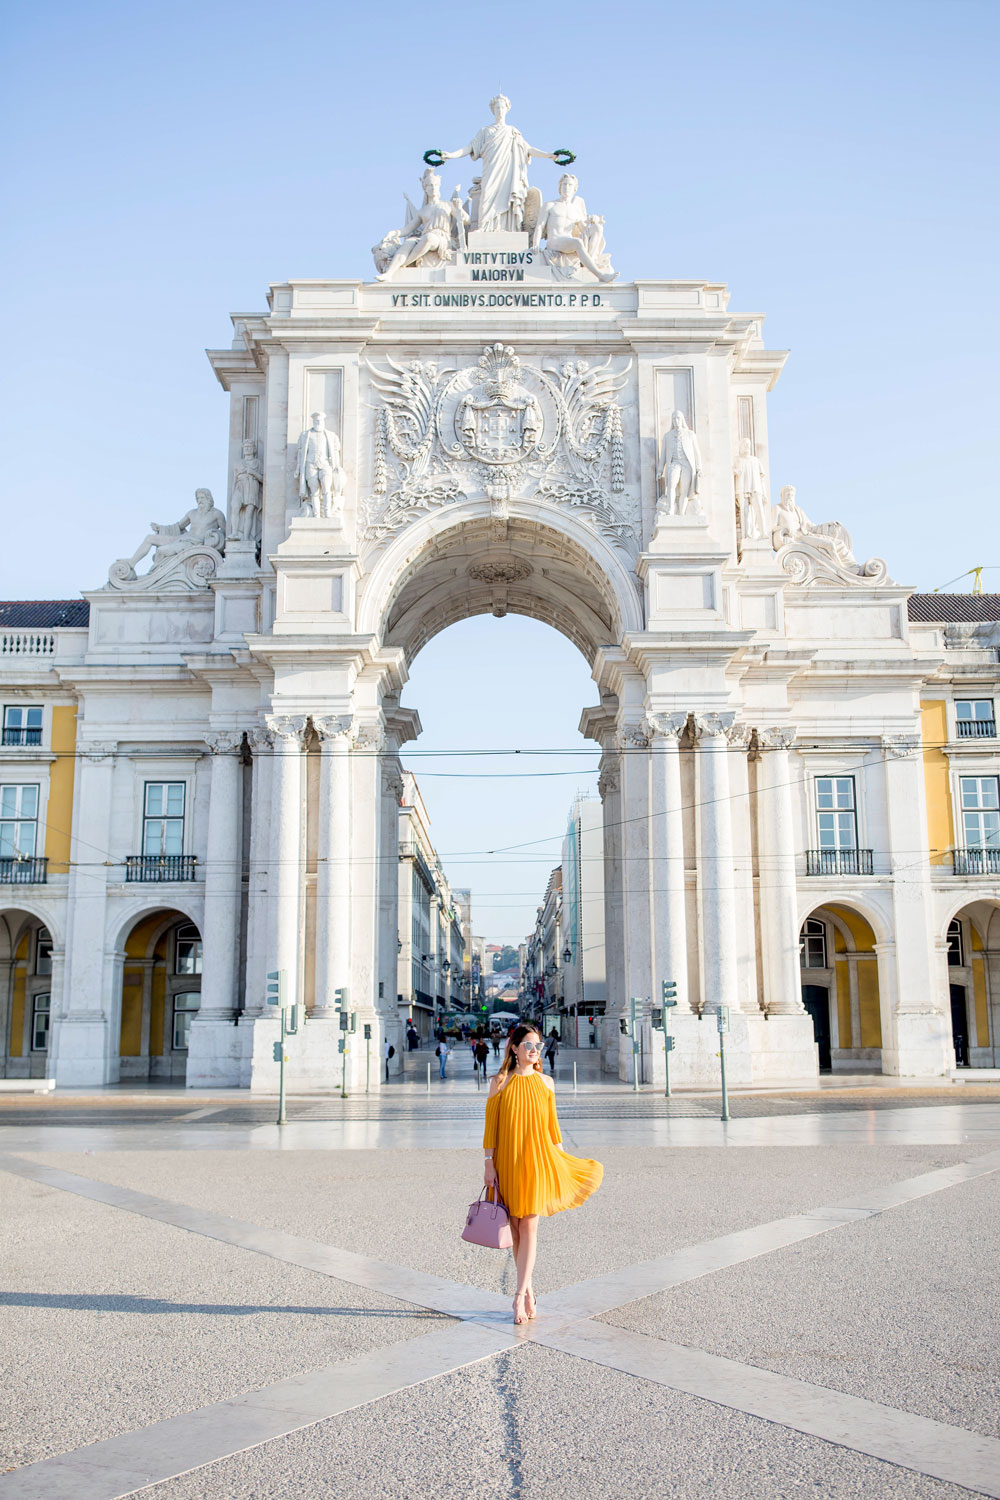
{"x":801,"y":1301}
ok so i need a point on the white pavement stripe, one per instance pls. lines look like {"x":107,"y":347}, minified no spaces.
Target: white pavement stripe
{"x":932,"y":1448}
{"x":121,"y":1465}
{"x":601,"y":1294}
{"x":453,"y":1298}
{"x":201,"y":1114}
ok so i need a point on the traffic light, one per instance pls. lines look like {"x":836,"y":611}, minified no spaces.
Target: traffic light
{"x":345,"y":1020}
{"x":623,"y":1025}
{"x":656,"y":1018}
{"x":340,"y":999}
{"x":278,"y":1050}
{"x":276,"y":987}
{"x":292,"y":1020}
{"x":669,"y":991}
{"x":368,"y":1032}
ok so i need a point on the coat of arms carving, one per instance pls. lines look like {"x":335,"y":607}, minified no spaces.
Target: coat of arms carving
{"x":504,"y":429}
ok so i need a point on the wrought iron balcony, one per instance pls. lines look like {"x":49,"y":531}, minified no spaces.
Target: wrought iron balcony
{"x":33,"y":871}
{"x":22,"y":736}
{"x":159,"y":867}
{"x":976,"y":729}
{"x":838,"y":861}
{"x":976,"y":861}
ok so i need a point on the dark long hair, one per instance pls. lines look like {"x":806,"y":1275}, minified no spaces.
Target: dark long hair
{"x":517,"y":1036}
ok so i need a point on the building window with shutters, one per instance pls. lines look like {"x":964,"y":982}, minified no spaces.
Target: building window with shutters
{"x":163,"y":818}
{"x":22,"y":726}
{"x":975,"y":719}
{"x":18,"y":821}
{"x":980,"y":812}
{"x":836,"y":812}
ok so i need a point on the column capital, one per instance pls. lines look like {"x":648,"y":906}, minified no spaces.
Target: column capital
{"x":368,"y":737}
{"x":224,"y":741}
{"x":899,"y":746}
{"x":331,"y":727}
{"x":392,"y":782}
{"x":739,"y":736}
{"x":710,"y":726}
{"x":775,"y":737}
{"x":286,"y":727}
{"x":259,"y":739}
{"x":97,"y":750}
{"x":633,"y":737}
{"x":665,"y":726}
{"x":610,"y":778}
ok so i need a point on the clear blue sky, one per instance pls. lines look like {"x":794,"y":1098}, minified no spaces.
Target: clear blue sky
{"x":834,"y":163}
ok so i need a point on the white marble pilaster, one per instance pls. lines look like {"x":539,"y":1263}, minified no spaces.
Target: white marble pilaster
{"x":739,"y":737}
{"x":668,"y":906}
{"x":84,"y":1046}
{"x":333,"y":869}
{"x":609,"y":786}
{"x":715,"y":861}
{"x":287,"y":848}
{"x":260,"y":883}
{"x":778,"y":893}
{"x":223,"y":876}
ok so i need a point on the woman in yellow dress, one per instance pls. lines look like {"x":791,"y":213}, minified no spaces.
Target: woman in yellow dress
{"x":524,"y":1155}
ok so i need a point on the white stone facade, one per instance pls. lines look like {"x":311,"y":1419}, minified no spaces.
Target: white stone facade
{"x":505,"y":440}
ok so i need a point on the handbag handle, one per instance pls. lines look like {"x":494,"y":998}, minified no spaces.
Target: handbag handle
{"x":493,"y":1202}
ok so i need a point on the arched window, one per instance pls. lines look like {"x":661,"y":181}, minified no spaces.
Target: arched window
{"x":187,"y":956}
{"x":812,"y":944}
{"x":43,"y":952}
{"x":956,"y":945}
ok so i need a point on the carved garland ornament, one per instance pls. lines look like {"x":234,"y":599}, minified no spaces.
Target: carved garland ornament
{"x":503,"y":429}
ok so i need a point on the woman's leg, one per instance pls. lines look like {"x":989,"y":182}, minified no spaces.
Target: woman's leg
{"x":527,"y":1243}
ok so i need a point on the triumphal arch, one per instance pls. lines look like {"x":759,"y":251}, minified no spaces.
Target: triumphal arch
{"x":493,"y":421}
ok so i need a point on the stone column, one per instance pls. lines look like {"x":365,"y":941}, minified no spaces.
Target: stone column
{"x":261,"y":877}
{"x":367,"y":745}
{"x":609,"y":786}
{"x":212,"y":1048}
{"x":84,"y":1044}
{"x":778,"y":893}
{"x":223,"y":877}
{"x":333,"y":870}
{"x":668,"y":907}
{"x":715,"y":861}
{"x":633,"y":747}
{"x":388,"y":923}
{"x":286,"y":848}
{"x":917,"y":1041}
{"x":739,"y":737}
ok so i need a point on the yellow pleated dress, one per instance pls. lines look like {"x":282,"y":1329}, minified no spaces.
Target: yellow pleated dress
{"x":522,"y":1130}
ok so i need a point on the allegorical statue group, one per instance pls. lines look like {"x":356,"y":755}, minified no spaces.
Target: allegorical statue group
{"x":499,"y":201}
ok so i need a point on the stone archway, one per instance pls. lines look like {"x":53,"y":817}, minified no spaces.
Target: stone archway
{"x":972,"y":936}
{"x":839,"y":961}
{"x":160,"y":985}
{"x":30,"y":989}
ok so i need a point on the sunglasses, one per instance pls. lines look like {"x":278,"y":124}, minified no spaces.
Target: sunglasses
{"x":532,"y":1046}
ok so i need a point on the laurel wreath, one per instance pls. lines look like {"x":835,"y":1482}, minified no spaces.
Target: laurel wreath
{"x":562,"y":157}
{"x":434,"y":158}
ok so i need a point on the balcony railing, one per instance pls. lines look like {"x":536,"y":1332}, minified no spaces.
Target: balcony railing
{"x":159,"y":867}
{"x":838,"y":861}
{"x":33,"y":871}
{"x":976,"y":729}
{"x":27,"y":643}
{"x":22,"y":736}
{"x":976,"y":861}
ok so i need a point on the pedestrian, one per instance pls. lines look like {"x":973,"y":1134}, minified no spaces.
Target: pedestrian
{"x":524,"y":1156}
{"x":481,"y":1053}
{"x":390,"y":1052}
{"x":495,"y":1038}
{"x":551,"y":1049}
{"x":442,"y":1054}
{"x":412,"y":1038}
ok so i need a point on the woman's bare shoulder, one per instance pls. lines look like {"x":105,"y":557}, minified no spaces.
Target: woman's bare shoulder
{"x":496,"y":1084}
{"x":549,"y":1083}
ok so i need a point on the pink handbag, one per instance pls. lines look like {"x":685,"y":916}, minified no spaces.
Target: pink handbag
{"x":488,"y":1224}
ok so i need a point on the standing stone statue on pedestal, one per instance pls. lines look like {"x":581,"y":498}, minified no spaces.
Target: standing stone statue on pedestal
{"x":244,"y":505}
{"x":317,"y":468}
{"x":754,"y":509}
{"x":503,"y":186}
{"x":680,"y":473}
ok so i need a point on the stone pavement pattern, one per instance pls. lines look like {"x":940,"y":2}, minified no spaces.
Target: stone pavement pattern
{"x":711,"y":1322}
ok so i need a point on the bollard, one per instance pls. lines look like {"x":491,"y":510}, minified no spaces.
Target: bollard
{"x":428,"y":1077}
{"x":574,"y":1076}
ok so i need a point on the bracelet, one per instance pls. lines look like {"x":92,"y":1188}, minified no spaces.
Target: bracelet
{"x":488,"y":1156}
